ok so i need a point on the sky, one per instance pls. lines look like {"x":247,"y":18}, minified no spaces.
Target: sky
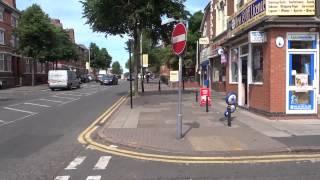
{"x":70,"y":14}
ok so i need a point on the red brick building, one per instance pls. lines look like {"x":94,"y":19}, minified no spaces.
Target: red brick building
{"x":273,"y":57}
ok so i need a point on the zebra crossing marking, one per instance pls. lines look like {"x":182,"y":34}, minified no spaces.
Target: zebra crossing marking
{"x":93,"y":178}
{"x":102,"y":163}
{"x":62,"y":178}
{"x":76,"y":162}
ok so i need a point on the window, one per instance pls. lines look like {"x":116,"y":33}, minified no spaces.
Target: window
{"x":13,"y":41}
{"x":1,"y":13}
{"x":41,"y":68}
{"x":234,"y":65}
{"x":257,"y":63}
{"x":28,"y":66}
{"x":14,"y":20}
{"x":1,"y":36}
{"x":5,"y":63}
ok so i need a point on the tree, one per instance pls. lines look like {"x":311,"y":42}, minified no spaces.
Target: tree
{"x":116,"y":68}
{"x":100,"y":58}
{"x":63,"y":48}
{"x":117,"y":17}
{"x":36,"y":35}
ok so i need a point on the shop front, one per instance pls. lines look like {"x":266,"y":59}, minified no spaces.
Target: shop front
{"x":273,"y":61}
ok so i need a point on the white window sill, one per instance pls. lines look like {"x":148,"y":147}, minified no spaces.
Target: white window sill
{"x":235,"y":83}
{"x":256,"y":83}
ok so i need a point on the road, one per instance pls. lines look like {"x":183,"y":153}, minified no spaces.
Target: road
{"x":38,"y":141}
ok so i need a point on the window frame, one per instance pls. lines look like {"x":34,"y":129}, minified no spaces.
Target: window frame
{"x":2,"y":33}
{"x":6,"y":62}
{"x":251,"y":68}
{"x":1,"y":14}
{"x":230,"y":65}
{"x":28,"y":66}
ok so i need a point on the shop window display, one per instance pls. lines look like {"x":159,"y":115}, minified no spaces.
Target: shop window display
{"x":257,"y":63}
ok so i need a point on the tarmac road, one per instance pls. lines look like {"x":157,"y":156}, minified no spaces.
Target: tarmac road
{"x":38,"y":141}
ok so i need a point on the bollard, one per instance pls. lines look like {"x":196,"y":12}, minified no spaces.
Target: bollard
{"x":159,"y":86}
{"x":229,"y":115}
{"x":196,"y":96}
{"x":207,"y":104}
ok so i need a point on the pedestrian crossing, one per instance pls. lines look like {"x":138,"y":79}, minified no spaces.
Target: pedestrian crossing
{"x":100,"y":165}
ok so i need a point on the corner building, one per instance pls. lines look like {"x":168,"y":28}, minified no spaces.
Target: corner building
{"x":272,"y":50}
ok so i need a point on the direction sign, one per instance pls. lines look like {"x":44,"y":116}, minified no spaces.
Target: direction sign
{"x":179,"y":38}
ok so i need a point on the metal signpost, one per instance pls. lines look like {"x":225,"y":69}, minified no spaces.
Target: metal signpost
{"x":179,"y":42}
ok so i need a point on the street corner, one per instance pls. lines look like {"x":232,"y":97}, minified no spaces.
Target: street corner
{"x":85,"y":137}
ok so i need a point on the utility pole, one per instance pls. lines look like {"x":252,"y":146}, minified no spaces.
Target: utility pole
{"x":141,"y":60}
{"x":130,"y":73}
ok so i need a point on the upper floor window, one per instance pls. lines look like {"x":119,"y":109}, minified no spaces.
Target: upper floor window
{"x":2,"y":36}
{"x":222,"y":17}
{"x":14,"y":20}
{"x":1,"y":13}
{"x":240,"y":3}
{"x":28,"y":66}
{"x":14,"y":41}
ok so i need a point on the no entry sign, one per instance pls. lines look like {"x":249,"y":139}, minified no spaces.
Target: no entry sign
{"x":179,"y":38}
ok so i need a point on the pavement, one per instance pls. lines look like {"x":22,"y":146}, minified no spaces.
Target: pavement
{"x":151,"y":127}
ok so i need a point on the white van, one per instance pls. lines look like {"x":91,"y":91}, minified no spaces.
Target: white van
{"x":62,"y":79}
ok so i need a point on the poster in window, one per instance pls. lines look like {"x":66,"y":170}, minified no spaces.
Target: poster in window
{"x":301,"y":81}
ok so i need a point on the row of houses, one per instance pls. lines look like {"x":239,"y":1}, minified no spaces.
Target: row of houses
{"x":15,"y":70}
{"x":266,"y":51}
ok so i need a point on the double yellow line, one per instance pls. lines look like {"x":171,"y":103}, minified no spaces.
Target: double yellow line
{"x":100,"y":120}
{"x":85,"y":138}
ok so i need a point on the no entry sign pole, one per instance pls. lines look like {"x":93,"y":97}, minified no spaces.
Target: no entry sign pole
{"x":179,"y":41}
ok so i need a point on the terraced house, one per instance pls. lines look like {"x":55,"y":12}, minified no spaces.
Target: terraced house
{"x":10,"y":73}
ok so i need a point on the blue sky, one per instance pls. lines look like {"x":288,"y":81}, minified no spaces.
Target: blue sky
{"x":70,"y":14}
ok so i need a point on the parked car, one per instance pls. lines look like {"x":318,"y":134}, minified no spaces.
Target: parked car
{"x":99,"y":78}
{"x":128,"y":78}
{"x":62,"y":79}
{"x":109,"y":80}
{"x":84,"y":78}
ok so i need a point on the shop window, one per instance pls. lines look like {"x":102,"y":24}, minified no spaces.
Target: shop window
{"x":234,"y":66}
{"x":257,"y":63}
{"x":302,"y":45}
{"x":244,"y":50}
{"x":301,"y":100}
{"x":301,"y":69}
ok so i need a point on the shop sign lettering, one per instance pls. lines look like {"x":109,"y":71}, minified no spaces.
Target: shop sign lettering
{"x":302,"y":37}
{"x":257,"y":37}
{"x":290,"y":7}
{"x":248,"y":15}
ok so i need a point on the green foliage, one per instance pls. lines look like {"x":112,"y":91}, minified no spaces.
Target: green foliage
{"x":116,"y":68}
{"x":36,"y":34}
{"x":100,"y":58}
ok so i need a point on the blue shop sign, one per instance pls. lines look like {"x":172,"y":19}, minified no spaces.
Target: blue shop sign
{"x":248,"y":15}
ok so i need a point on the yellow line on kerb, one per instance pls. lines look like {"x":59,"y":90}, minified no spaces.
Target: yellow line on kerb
{"x":85,"y":138}
{"x":101,"y":118}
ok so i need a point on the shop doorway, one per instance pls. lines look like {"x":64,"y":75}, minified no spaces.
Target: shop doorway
{"x":302,"y":84}
{"x":243,"y":84}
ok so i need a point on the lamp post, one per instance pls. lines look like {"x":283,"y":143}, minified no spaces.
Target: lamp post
{"x":130,"y":72}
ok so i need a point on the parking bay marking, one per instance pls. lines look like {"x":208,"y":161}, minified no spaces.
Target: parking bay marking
{"x":93,"y":178}
{"x":49,"y":100}
{"x":19,"y":110}
{"x":40,"y":105}
{"x":66,"y":98}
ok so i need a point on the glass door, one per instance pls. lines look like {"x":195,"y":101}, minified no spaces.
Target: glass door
{"x":301,"y":83}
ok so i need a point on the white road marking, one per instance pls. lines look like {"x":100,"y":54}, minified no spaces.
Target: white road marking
{"x":113,"y":146}
{"x":102,"y":163}
{"x":66,"y":98}
{"x":19,"y":110}
{"x":45,"y":90}
{"x":93,"y":178}
{"x":49,"y":100}
{"x":76,"y":162}
{"x":68,"y":94}
{"x":40,"y":105}
{"x":62,"y":178}
{"x":16,"y":120}
{"x":2,"y":121}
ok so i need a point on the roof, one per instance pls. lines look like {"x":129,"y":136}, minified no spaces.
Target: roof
{"x":10,"y":8}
